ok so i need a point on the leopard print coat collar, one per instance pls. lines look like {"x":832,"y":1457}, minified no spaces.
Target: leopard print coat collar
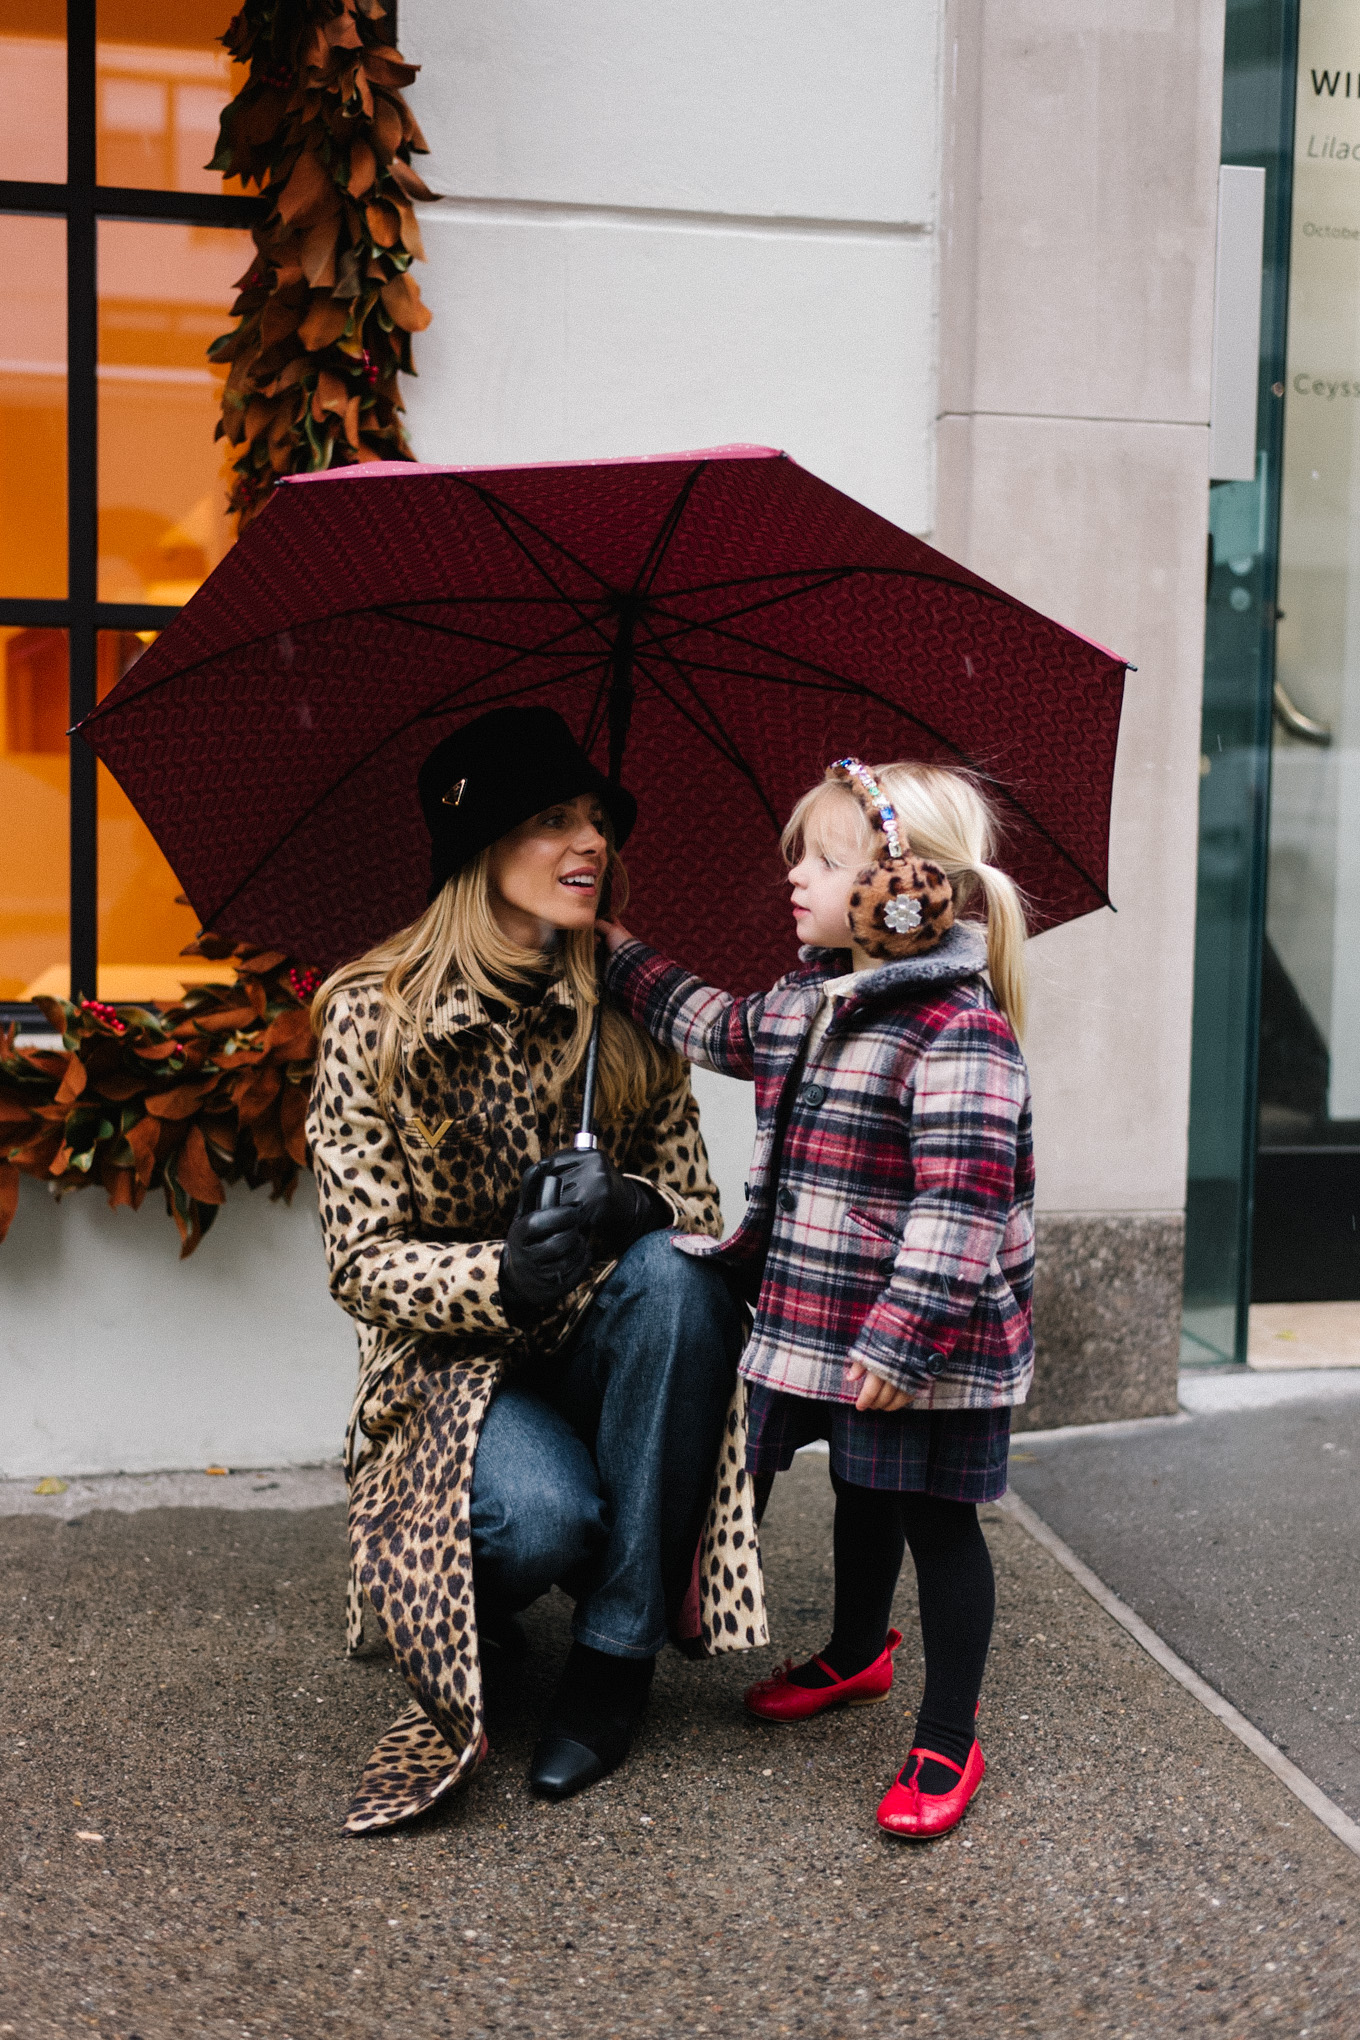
{"x":416,"y":1196}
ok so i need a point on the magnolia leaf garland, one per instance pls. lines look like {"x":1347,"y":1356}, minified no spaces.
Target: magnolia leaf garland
{"x":185,"y":1098}
{"x":327,"y":309}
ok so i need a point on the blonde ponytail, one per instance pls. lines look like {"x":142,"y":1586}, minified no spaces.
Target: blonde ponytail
{"x":1006,"y":936}
{"x":945,"y":816}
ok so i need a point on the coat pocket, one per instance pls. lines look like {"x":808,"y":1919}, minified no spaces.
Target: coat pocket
{"x":872,"y":1242}
{"x":876,"y":1228}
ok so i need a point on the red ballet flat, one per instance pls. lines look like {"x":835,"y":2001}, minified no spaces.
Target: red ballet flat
{"x":915,"y":1816}
{"x":777,"y":1699}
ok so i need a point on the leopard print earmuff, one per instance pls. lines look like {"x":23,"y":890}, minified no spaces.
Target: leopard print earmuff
{"x":900,"y":904}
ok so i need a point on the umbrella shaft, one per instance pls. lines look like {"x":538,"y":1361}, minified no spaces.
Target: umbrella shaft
{"x":586,"y":1137}
{"x":621,"y":692}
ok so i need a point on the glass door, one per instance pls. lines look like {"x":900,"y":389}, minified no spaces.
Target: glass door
{"x":1306,"y":1241}
{"x":1239,"y":675}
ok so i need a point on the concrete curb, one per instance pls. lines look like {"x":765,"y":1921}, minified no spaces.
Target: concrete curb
{"x":1304,"y":1790}
{"x":282,"y":1487}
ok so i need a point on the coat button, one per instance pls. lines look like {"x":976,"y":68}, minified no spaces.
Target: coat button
{"x":813,"y":1094}
{"x":887,"y":1264}
{"x":746,"y":1192}
{"x":787,"y":1201}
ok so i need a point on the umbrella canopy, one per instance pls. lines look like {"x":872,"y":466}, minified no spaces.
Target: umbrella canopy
{"x":715,"y":626}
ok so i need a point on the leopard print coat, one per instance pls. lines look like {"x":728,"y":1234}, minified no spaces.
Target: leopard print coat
{"x":416,"y":1198}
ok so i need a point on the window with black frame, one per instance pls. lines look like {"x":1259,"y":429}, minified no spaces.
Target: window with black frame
{"x":118,"y":256}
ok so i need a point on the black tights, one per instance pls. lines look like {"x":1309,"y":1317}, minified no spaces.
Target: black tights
{"x":955,"y":1588}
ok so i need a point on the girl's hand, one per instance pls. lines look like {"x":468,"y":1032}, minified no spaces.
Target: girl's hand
{"x":877,"y":1392}
{"x":614,"y":933}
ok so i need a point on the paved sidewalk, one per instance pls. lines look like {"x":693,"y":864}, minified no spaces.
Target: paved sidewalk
{"x":171,"y":1682}
{"x":1235,"y":1533}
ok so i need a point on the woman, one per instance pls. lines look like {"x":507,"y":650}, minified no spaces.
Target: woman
{"x":546,"y":1394}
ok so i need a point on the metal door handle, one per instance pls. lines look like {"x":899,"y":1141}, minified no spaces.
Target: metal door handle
{"x":1291,"y":717}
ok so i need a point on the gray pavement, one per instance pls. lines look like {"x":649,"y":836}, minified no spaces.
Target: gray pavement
{"x":179,"y":1731}
{"x":1235,"y":1533}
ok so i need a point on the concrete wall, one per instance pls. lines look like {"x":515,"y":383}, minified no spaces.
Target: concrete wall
{"x":115,"y":1356}
{"x":1081,"y":153}
{"x":668,"y":228}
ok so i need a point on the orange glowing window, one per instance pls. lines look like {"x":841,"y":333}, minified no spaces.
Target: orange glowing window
{"x":32,"y":407}
{"x":34,"y":923}
{"x":143,"y":922}
{"x":162,"y":81}
{"x":33,"y":54}
{"x":165,"y":291}
{"x":34,"y":918}
{"x":86,"y":900}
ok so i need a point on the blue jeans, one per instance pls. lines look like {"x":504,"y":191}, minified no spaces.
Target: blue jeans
{"x":594,"y":1466}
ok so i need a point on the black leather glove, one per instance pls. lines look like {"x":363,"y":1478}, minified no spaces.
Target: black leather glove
{"x":613,"y":1209}
{"x":546,"y":1253}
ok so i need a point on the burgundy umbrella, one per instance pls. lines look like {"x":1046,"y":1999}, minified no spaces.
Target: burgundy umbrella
{"x":716,"y":627}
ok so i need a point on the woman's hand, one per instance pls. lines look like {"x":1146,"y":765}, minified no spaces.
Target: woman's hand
{"x":614,"y":933}
{"x":877,"y":1393}
{"x":546,"y":1254}
{"x":614,"y":1209}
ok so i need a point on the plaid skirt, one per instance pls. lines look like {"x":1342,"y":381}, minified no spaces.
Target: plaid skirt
{"x":955,"y":1455}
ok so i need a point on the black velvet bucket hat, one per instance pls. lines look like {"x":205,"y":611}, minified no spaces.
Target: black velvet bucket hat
{"x":496,"y":772}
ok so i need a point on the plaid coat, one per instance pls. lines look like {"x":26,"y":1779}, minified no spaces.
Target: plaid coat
{"x":889,"y":1213}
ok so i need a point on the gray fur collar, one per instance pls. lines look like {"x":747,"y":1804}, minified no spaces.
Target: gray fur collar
{"x":961,"y":953}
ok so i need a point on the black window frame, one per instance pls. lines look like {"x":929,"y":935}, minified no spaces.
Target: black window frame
{"x":82,"y":203}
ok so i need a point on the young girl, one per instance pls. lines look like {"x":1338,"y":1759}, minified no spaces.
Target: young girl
{"x":887,"y":1245}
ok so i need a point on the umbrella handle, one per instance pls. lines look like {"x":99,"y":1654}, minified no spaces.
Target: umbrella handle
{"x":550,"y":1189}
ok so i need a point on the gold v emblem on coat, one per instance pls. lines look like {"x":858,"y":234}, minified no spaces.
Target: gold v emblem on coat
{"x":431,"y":1135}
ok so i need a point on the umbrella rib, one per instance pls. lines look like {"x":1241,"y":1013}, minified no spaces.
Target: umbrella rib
{"x":397,"y":613}
{"x":831,"y":684}
{"x":501,"y":515}
{"x":783,"y":595}
{"x":728,"y":752}
{"x":868,"y":693}
{"x":987,"y":592}
{"x":666,"y":531}
{"x":473,"y":637}
{"x":716,"y":735}
{"x":716,"y":729}
{"x":816,"y":574}
{"x":446,"y":701}
{"x":596,"y":712}
{"x":403,"y":612}
{"x":487,"y":601}
{"x":504,"y":513}
{"x":389,"y":736}
{"x":829,"y":576}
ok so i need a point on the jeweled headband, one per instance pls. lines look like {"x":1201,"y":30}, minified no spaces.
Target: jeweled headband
{"x":887,"y":813}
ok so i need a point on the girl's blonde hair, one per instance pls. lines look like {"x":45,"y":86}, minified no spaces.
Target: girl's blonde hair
{"x":459,"y":937}
{"x":946,"y":817}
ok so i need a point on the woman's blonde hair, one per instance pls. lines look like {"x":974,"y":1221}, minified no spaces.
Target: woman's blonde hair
{"x":459,"y":937}
{"x":946,"y":817}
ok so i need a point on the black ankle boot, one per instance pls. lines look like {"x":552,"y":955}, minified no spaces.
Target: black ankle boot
{"x":591,"y":1722}
{"x":504,"y":1633}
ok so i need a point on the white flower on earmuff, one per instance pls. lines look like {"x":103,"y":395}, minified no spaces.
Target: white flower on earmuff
{"x":902,"y":915}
